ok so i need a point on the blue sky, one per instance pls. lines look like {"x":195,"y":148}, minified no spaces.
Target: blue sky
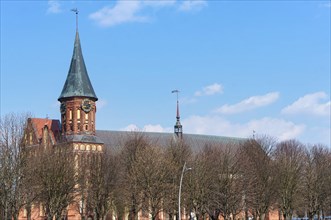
{"x":240,"y":65}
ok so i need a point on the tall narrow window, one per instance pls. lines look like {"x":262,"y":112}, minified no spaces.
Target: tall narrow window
{"x":41,"y":210}
{"x":30,"y":137}
{"x":70,"y":115}
{"x":78,"y":114}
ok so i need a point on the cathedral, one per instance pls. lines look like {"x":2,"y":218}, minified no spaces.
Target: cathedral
{"x":78,"y":116}
{"x":77,"y":125}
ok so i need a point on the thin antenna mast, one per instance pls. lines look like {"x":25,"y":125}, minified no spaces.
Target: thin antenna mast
{"x":76,"y":11}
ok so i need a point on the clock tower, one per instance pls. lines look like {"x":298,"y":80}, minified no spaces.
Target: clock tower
{"x":78,"y":103}
{"x":78,"y":97}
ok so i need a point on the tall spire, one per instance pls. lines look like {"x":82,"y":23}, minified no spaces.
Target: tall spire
{"x":78,"y":82}
{"x":178,"y":128}
{"x":78,"y":99}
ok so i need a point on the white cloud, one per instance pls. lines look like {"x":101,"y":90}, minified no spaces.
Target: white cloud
{"x":133,"y":11}
{"x":122,"y":12}
{"x":154,"y":128}
{"x":216,"y":125}
{"x":54,"y":7}
{"x":146,"y":128}
{"x":210,"y":90}
{"x":249,"y":103}
{"x":131,"y":127}
{"x":192,"y":5}
{"x":159,"y":3}
{"x":310,"y":104}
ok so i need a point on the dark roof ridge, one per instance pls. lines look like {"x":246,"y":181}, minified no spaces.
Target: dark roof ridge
{"x":169,"y":133}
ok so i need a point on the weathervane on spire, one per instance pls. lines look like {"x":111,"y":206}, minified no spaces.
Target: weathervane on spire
{"x":175,"y":91}
{"x":76,"y":11}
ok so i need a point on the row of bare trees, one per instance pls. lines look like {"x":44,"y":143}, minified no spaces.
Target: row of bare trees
{"x":228,"y":179}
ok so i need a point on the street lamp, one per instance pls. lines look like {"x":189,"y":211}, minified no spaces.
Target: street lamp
{"x":180,"y":188}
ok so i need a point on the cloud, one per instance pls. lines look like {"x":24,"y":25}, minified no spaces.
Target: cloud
{"x":192,"y":5}
{"x":216,"y":125}
{"x":122,"y":12}
{"x":134,"y":11}
{"x":146,"y":128}
{"x":131,"y":127}
{"x":310,"y":104}
{"x":210,"y":90}
{"x":154,"y":128}
{"x":54,"y":7}
{"x":159,"y":3}
{"x":249,"y":103}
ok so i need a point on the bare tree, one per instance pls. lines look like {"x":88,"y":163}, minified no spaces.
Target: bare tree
{"x":288,"y":158}
{"x":315,"y":180}
{"x":152,"y":172}
{"x":101,"y":185}
{"x":215,"y":182}
{"x":258,"y":170}
{"x":128,"y":195}
{"x":228,"y":184}
{"x":13,"y":166}
{"x":56,"y":175}
{"x":198,"y":184}
{"x":327,"y":207}
{"x":83,"y":175}
{"x":177,"y":153}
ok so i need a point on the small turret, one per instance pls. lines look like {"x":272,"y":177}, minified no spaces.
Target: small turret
{"x":178,"y":128}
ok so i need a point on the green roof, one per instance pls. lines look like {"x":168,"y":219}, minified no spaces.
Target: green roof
{"x":78,"y":82}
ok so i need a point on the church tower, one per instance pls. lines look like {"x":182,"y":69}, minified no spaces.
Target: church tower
{"x":78,"y":98}
{"x":78,"y":102}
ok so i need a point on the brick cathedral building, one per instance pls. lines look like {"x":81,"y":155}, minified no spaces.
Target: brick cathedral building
{"x":77,"y":126}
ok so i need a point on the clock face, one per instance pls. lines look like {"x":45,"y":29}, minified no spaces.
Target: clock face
{"x":63,"y":108}
{"x":86,"y":105}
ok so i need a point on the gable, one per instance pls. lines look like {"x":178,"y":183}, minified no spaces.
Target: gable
{"x":40,"y":129}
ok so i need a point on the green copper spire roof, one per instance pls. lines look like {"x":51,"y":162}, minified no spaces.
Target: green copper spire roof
{"x":77,"y":83}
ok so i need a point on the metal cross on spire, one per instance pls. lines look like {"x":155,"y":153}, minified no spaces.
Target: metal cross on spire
{"x":76,"y":11}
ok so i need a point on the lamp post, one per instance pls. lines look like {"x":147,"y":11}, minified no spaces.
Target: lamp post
{"x":180,"y":188}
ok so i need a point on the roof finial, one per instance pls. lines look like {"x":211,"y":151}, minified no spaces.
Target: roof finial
{"x":76,"y":11}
